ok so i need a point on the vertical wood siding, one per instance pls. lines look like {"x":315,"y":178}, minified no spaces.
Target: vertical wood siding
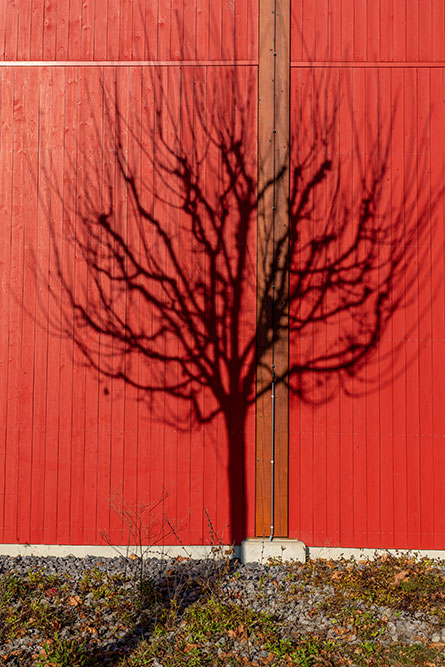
{"x":133,"y":30}
{"x":71,"y":440}
{"x":367,"y":463}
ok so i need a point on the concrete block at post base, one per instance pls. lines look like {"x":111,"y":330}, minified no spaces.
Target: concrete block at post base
{"x":260,"y":549}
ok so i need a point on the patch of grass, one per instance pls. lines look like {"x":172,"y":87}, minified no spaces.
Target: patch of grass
{"x":29,"y":602}
{"x":65,"y":653}
{"x":203,"y":621}
{"x":398,"y":582}
{"x":217,"y":630}
{"x":305,"y":652}
{"x":398,"y":655}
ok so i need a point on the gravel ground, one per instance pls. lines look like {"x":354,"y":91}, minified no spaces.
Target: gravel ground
{"x":87,"y":614}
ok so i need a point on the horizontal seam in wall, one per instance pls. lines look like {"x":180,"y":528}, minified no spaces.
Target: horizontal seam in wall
{"x":128,"y":63}
{"x":359,"y":63}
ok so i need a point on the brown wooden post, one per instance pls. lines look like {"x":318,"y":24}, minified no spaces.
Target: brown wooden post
{"x":273,"y":156}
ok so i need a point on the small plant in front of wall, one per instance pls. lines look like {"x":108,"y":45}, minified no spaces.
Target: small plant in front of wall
{"x":65,"y":653}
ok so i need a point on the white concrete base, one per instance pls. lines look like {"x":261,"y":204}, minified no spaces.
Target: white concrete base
{"x":259,"y":550}
{"x":251,"y":550}
{"x":336,"y":553}
{"x":108,"y":551}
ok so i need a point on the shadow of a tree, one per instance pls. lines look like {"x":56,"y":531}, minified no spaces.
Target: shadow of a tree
{"x":168,"y":300}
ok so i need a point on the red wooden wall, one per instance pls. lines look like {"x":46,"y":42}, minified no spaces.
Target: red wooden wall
{"x":367,"y":462}
{"x":71,"y":440}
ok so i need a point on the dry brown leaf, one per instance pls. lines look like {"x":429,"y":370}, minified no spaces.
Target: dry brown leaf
{"x":401,"y":576}
{"x":239,"y":632}
{"x":74,"y":600}
{"x":189,"y":647}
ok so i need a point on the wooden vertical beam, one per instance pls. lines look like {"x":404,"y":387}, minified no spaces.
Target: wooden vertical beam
{"x":273,"y":158}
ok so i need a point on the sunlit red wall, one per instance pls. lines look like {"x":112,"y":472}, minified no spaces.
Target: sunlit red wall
{"x":74,"y":446}
{"x":367,"y":463}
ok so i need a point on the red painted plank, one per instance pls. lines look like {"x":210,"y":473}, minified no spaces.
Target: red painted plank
{"x":425,"y":30}
{"x":80,"y":368}
{"x":3,"y":10}
{"x":412,"y":8}
{"x":23,"y":34}
{"x":211,"y":482}
{"x":75,"y":30}
{"x":321,"y":29}
{"x":90,"y":137}
{"x":151,"y":28}
{"x":100,"y":31}
{"x":347,"y":29}
{"x":358,"y":105}
{"x":386,"y":344}
{"x":215,"y":31}
{"x":386,"y":31}
{"x":166,"y":27}
{"x":189,"y":18}
{"x":400,"y":35}
{"x":67,"y":186}
{"x":426,"y":396}
{"x":139,"y":33}
{"x":55,"y":358}
{"x":88,"y":29}
{"x":133,"y":305}
{"x":26,"y":216}
{"x":113,"y":30}
{"x":346,"y":145}
{"x":438,"y":310}
{"x":108,"y":166}
{"x":413,"y":379}
{"x":438,"y":30}
{"x":373,"y":27}
{"x":248,"y":113}
{"x":398,"y":361}
{"x":322,"y":84}
{"x":11,"y":31}
{"x":227,"y":31}
{"x":298,"y":52}
{"x":50,"y":21}
{"x":62,"y":30}
{"x":14,"y":417}
{"x":6,"y":171}
{"x":39,"y":135}
{"x":117,"y":527}
{"x":334,"y":424}
{"x":177,"y":224}
{"x":336,"y":46}
{"x":126,"y":29}
{"x":360,"y":30}
{"x":308,"y":30}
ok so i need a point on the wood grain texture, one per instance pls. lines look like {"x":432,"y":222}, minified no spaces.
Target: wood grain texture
{"x":273,"y":153}
{"x":128,"y":30}
{"x":365,"y":465}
